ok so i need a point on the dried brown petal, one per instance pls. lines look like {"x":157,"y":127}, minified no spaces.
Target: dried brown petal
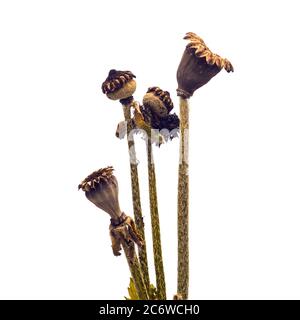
{"x":127,"y":234}
{"x":115,"y":243}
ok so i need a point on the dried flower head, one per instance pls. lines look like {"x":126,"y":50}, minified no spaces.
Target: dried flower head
{"x":146,"y":117}
{"x":169,"y":122}
{"x":119,"y":85}
{"x":101,"y":188}
{"x":158,"y":101}
{"x":198,"y":65}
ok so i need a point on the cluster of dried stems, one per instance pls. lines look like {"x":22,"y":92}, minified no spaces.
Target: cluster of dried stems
{"x":197,"y":67}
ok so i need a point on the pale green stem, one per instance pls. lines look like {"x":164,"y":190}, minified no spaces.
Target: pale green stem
{"x":183,"y":204}
{"x":137,"y":209}
{"x":136,"y":274}
{"x":157,"y":251}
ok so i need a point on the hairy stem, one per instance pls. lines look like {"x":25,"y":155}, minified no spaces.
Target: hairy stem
{"x":183,"y":204}
{"x":157,"y":251}
{"x":137,"y":209}
{"x":135,"y":270}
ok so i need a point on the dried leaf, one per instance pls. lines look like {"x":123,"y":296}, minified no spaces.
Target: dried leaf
{"x":132,"y":291}
{"x":153,"y":292}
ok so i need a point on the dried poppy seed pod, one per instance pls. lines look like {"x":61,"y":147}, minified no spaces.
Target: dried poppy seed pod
{"x":119,"y":85}
{"x":198,"y":65}
{"x":101,"y":188}
{"x":158,"y":101}
{"x":155,"y":113}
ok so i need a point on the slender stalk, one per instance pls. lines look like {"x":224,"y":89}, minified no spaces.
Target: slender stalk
{"x":137,"y":209}
{"x":183,"y":203}
{"x":157,"y":251}
{"x":135,"y":270}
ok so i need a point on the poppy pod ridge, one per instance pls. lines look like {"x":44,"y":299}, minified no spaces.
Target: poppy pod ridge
{"x":121,"y":85}
{"x":101,"y":188}
{"x":197,"y":67}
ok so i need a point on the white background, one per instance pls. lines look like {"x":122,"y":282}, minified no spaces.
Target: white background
{"x":56,"y":127}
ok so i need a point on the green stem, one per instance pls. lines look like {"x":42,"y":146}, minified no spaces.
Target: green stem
{"x":157,"y":251}
{"x":135,"y":270}
{"x":183,"y":203}
{"x":137,"y":209}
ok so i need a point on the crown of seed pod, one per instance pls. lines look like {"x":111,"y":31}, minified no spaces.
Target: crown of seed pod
{"x":119,"y":85}
{"x":198,"y":65}
{"x":158,"y":101}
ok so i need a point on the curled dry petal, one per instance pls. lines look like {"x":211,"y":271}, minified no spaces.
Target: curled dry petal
{"x":126,"y":234}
